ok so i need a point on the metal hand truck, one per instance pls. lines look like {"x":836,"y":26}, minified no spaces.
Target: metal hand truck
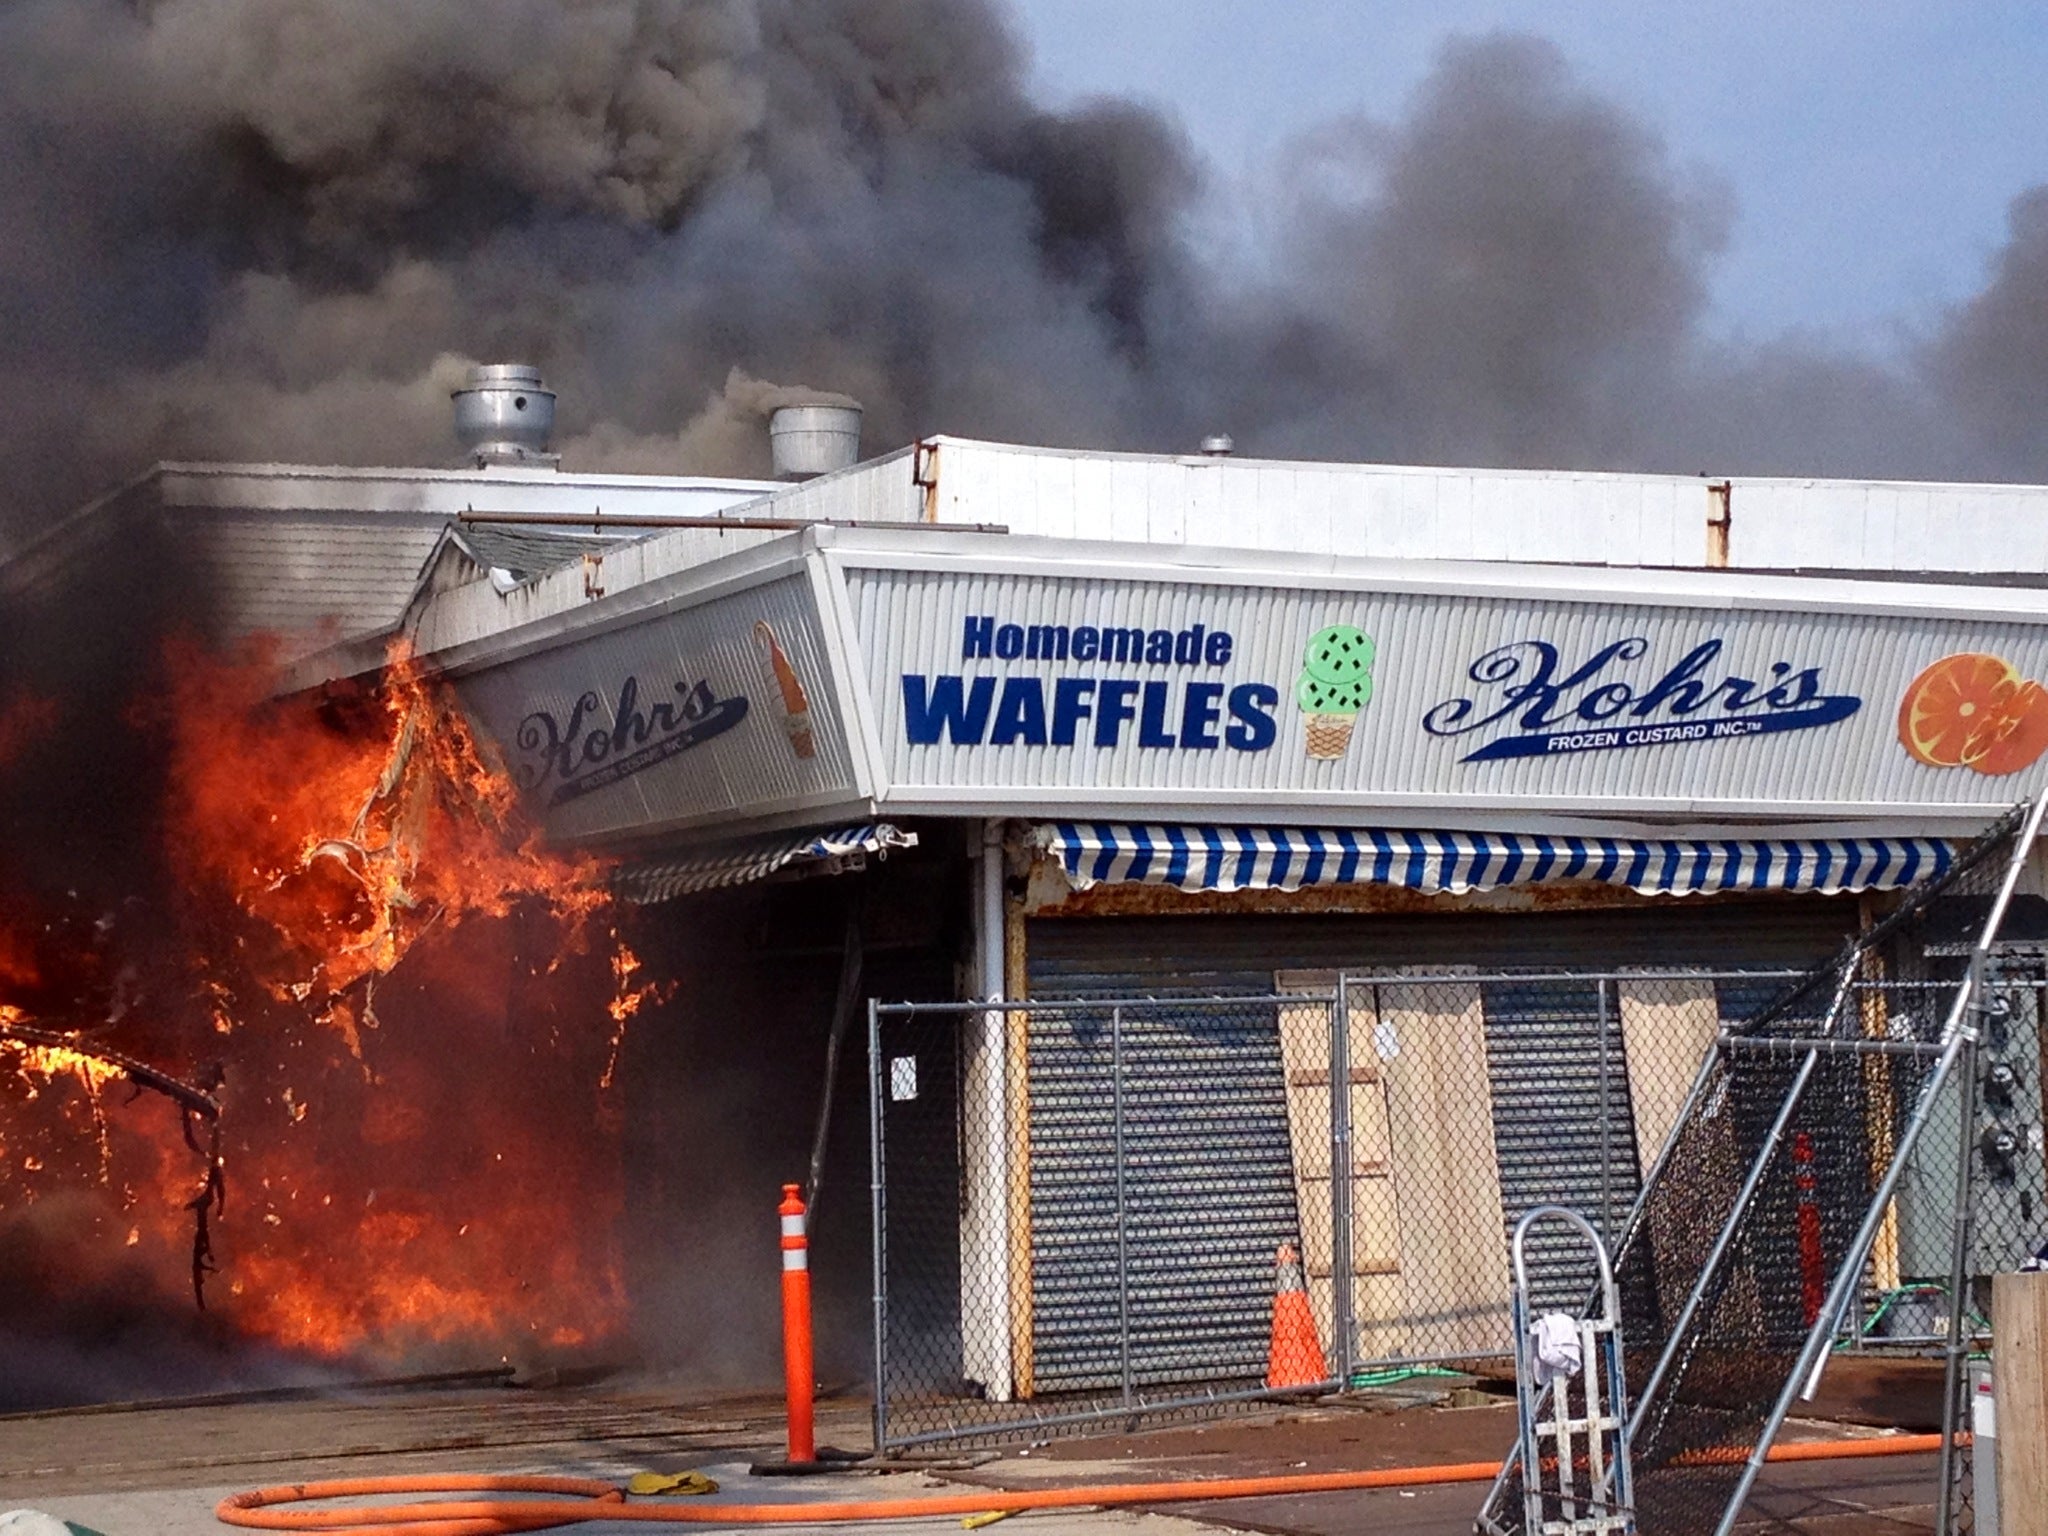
{"x":1573,"y":1445}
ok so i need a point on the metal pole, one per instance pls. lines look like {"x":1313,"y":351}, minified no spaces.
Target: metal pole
{"x":1957,"y":1034}
{"x":1343,"y":1300}
{"x":1752,"y":1181}
{"x":1958,"y":1271}
{"x":2011,"y":882}
{"x":1123,"y":1253}
{"x":877,"y":1209}
{"x":1815,"y":1352}
{"x":1606,"y":1140}
{"x":1851,"y":1274}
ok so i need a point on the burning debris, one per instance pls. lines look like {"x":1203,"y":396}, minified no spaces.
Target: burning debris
{"x":367,"y":988}
{"x":47,"y":1053}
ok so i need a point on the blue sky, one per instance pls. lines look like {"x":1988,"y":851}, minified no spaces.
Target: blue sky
{"x":1869,"y":150}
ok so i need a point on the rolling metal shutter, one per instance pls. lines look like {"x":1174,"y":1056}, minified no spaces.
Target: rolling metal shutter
{"x":1208,"y":1194}
{"x":1210,"y":1188}
{"x":1564,"y":1133}
{"x":1168,"y":956}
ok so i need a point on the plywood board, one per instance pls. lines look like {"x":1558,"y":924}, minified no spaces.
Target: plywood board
{"x":1430,"y":1042}
{"x":1375,"y":1253}
{"x":2019,"y":1379}
{"x":1305,"y":1061}
{"x":1668,"y":1025}
{"x":1874,"y":1016}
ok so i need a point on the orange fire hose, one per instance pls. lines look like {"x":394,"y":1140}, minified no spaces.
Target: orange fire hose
{"x":589,"y":1499}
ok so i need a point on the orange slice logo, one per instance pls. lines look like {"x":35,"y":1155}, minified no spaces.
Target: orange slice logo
{"x":1974,"y":710}
{"x":2026,"y":738}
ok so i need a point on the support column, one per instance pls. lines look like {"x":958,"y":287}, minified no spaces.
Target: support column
{"x":985,"y":1144}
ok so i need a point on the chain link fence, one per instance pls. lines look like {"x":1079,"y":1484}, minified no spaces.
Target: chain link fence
{"x":1081,"y":1204}
{"x":1853,"y":1163}
{"x":1083,"y":1207}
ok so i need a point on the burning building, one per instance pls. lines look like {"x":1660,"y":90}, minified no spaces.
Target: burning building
{"x":962,"y":721}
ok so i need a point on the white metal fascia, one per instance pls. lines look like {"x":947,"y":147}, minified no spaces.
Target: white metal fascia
{"x":1009,"y":554}
{"x":838,"y":494}
{"x":848,"y":673}
{"x":1235,"y":463}
{"x":441,"y":492}
{"x":1914,"y":487}
{"x":1672,"y":817}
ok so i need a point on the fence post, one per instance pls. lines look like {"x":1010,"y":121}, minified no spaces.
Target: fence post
{"x":1123,"y":1240}
{"x":1343,"y":1324}
{"x":1959,"y":1267}
{"x":877,"y":1214}
{"x":1606,"y":1137}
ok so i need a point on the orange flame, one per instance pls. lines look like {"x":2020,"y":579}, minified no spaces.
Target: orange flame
{"x":401,"y":986}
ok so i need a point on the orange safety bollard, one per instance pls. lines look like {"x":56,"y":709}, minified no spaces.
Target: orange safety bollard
{"x":799,"y":1384}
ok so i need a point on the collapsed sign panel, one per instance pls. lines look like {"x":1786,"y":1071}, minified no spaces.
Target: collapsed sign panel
{"x":691,"y":715}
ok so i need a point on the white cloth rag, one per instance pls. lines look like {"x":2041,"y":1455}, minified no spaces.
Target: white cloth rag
{"x":1556,"y":1340}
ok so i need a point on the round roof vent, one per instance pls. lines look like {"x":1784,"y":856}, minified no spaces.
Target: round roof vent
{"x":505,"y":414}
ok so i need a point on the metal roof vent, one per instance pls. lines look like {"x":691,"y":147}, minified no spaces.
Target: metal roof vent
{"x":504,"y":414}
{"x":809,"y":440}
{"x":1219,"y":445}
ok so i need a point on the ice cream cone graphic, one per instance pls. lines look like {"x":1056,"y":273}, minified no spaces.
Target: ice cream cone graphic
{"x":1335,"y":684}
{"x":796,"y":704}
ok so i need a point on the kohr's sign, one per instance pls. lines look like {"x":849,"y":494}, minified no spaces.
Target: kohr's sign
{"x":1193,"y":711}
{"x":1529,"y":700}
{"x":603,"y":739}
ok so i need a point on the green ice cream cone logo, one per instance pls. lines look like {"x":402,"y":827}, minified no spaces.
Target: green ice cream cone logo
{"x":1335,"y":684}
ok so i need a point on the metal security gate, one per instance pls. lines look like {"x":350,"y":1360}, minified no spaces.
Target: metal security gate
{"x":1179,"y":1179}
{"x":1563,"y":1129}
{"x":1079,"y":1202}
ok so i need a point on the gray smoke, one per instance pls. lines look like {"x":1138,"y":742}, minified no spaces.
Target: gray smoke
{"x":275,"y":229}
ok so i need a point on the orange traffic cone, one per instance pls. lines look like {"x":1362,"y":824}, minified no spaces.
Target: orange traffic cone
{"x":1296,"y":1356}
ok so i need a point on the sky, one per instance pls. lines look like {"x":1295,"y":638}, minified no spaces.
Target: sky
{"x":1868,"y":151}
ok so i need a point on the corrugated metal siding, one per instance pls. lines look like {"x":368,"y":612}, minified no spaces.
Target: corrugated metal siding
{"x":1211,"y":1188}
{"x":874,"y":491}
{"x":1209,"y":1194}
{"x":1165,"y":956}
{"x":478,"y":611}
{"x":914,"y":622}
{"x":328,"y":577}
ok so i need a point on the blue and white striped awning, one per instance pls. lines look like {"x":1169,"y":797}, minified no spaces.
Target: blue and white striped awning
{"x":710,"y":869}
{"x":1203,"y":858}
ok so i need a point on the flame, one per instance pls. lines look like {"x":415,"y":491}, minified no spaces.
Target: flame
{"x":403,"y":992}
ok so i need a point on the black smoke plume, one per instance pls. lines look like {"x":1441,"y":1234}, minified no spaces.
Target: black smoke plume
{"x":274,"y":229}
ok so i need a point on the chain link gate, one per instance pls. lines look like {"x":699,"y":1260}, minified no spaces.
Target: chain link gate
{"x":1079,"y":1203}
